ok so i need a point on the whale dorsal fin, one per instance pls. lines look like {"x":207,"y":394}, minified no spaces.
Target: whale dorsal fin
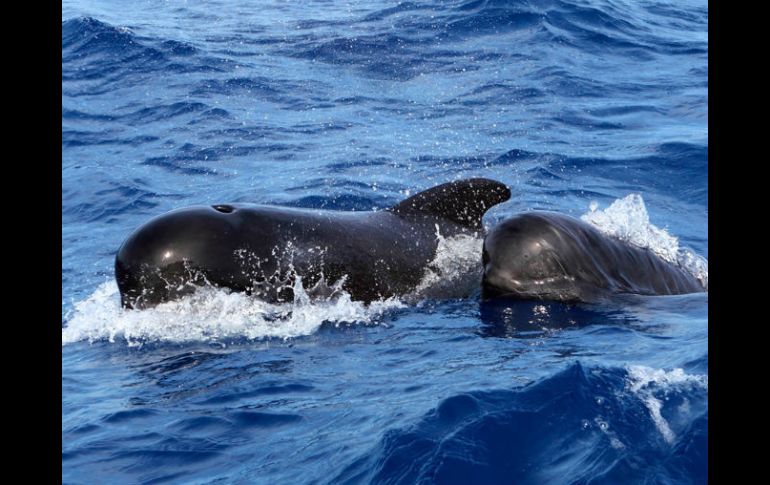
{"x":463,"y":201}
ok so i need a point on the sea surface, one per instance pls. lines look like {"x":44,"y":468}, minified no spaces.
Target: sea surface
{"x":597,"y":109}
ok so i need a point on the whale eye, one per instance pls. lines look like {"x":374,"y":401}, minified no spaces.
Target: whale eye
{"x":223,"y":208}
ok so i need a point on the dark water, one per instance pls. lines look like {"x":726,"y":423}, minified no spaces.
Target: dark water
{"x":353,"y":106}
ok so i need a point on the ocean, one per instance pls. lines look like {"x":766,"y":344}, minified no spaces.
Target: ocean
{"x":596,"y":109}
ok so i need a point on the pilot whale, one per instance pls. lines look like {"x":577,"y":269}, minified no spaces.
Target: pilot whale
{"x":261,"y":249}
{"x":551,"y":256}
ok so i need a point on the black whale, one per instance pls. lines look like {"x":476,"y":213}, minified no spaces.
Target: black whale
{"x":549,"y":256}
{"x":261,"y":249}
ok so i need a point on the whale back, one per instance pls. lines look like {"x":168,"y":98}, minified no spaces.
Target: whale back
{"x":464,"y":202}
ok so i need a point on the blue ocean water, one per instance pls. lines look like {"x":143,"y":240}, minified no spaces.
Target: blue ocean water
{"x":580,"y":107}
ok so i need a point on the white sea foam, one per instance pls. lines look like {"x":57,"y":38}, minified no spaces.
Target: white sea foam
{"x":217,"y":315}
{"x":455,"y":271}
{"x":213,"y":315}
{"x":628,"y":220}
{"x":645,"y":381}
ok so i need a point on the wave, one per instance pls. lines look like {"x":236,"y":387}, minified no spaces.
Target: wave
{"x":115,"y":199}
{"x":397,"y":37}
{"x":399,"y":43}
{"x":106,"y":55}
{"x":688,"y":161}
{"x":581,"y":425}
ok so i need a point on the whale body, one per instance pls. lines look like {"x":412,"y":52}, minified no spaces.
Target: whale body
{"x":261,"y":249}
{"x":551,"y":256}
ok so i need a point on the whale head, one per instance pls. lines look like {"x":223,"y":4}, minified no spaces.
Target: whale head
{"x":529,"y":256}
{"x":176,"y":252}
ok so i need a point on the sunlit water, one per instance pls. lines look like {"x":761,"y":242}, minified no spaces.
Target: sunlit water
{"x":594,"y":109}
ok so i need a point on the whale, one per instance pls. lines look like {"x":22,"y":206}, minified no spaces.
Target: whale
{"x":263,"y":250}
{"x":550,"y":256}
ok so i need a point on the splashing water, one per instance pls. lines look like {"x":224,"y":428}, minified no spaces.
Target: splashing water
{"x":627,"y":219}
{"x":455,"y":271}
{"x":216,"y":315}
{"x":645,"y":381}
{"x":213,"y":315}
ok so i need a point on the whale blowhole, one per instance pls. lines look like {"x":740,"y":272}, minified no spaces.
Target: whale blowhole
{"x":223,"y":208}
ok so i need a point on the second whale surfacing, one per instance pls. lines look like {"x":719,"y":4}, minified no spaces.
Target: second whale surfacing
{"x":260,"y":249}
{"x":551,"y":256}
